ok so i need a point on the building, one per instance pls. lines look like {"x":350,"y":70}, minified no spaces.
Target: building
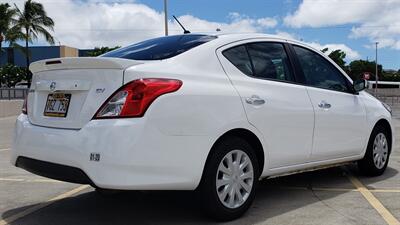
{"x":17,"y":57}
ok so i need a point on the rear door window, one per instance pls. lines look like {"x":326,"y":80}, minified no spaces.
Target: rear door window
{"x":264,"y":60}
{"x":239,"y":57}
{"x":270,"y":61}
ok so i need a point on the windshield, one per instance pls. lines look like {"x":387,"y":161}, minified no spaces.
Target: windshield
{"x":160,"y":48}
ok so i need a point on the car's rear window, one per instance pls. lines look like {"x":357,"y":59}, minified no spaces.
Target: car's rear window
{"x":160,"y":48}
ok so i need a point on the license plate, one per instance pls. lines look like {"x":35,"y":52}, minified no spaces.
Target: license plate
{"x":57,"y":105}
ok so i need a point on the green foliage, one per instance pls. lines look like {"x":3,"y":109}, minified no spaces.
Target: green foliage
{"x":324,"y":50}
{"x":394,"y":77}
{"x":390,"y":76}
{"x":6,"y":21}
{"x":11,"y":75}
{"x":33,"y":21}
{"x":101,"y":50}
{"x":358,"y":67}
{"x":338,"y":56}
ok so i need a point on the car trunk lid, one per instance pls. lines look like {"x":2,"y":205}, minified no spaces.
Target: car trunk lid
{"x":67,"y":92}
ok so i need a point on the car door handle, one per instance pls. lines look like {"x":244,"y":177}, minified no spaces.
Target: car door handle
{"x":324,"y":105}
{"x":255,"y":100}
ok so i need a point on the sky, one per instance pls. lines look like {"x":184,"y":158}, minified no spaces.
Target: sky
{"x":350,"y":25}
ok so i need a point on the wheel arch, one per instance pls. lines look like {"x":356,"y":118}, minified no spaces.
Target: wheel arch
{"x":247,"y":135}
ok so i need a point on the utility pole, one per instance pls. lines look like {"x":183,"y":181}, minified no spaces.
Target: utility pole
{"x":166,"y":17}
{"x":376,"y":69}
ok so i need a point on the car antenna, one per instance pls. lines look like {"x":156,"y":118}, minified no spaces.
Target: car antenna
{"x":184,"y":30}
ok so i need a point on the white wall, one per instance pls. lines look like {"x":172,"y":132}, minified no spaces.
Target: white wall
{"x":10,"y":107}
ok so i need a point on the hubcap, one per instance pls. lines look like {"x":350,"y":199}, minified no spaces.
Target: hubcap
{"x":235,"y":177}
{"x":380,"y":150}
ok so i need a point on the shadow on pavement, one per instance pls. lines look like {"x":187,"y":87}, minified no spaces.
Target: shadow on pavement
{"x":274,"y":197}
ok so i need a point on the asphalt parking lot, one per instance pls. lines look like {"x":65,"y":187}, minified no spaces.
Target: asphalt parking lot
{"x":330,"y":196}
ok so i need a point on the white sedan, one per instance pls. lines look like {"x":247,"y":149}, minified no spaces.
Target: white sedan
{"x":211,"y":113}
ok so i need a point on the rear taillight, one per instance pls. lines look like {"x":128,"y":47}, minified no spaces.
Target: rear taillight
{"x":133,"y":99}
{"x":25,"y":106}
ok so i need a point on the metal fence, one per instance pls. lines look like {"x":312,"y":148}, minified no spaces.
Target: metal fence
{"x":13,"y":93}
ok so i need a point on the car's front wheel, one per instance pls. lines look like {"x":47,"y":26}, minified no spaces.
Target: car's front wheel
{"x":228,"y":185}
{"x":376,"y":157}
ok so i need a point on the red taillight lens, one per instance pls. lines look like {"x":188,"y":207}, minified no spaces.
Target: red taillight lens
{"x":133,"y":99}
{"x":25,"y":106}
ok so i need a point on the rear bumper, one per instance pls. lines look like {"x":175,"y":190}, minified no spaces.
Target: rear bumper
{"x":134,"y":154}
{"x":53,"y":171}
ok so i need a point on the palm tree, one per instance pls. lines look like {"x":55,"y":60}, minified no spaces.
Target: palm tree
{"x":33,"y":21}
{"x":6,"y":21}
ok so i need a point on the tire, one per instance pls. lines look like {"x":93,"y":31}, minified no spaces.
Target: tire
{"x":234,"y":178}
{"x":381,"y":142}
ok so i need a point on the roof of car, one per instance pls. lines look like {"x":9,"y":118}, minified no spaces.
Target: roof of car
{"x":239,"y":36}
{"x":250,"y":35}
{"x":224,"y":38}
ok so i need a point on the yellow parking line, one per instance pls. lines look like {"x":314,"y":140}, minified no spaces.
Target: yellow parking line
{"x":31,"y":180}
{"x":11,"y":179}
{"x":44,"y":181}
{"x":4,"y":149}
{"x":386,"y":215}
{"x":385,"y":190}
{"x":32,"y":209}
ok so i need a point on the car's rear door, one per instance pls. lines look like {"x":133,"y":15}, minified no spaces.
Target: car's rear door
{"x":262,"y":74}
{"x":340,"y":118}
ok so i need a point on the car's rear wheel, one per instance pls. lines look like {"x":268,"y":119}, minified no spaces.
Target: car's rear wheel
{"x":230,"y":177}
{"x":376,"y":157}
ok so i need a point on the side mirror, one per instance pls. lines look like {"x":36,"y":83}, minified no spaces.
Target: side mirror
{"x":360,"y":85}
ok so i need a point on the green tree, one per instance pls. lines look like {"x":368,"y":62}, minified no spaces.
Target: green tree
{"x":324,"y":50}
{"x":11,"y":75}
{"x":101,"y":50}
{"x":6,"y":21}
{"x":358,"y":67}
{"x":33,"y":21}
{"x":338,"y":57}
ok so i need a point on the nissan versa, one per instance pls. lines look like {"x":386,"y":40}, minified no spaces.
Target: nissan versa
{"x":211,"y":113}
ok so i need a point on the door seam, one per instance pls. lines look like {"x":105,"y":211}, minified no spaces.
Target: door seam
{"x":313,"y":133}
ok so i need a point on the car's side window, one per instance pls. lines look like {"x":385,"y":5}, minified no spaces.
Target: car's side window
{"x":239,"y":58}
{"x":270,"y":61}
{"x":265,"y":60}
{"x":319,"y":72}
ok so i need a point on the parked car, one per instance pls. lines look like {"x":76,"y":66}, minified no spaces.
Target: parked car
{"x":22,"y":85}
{"x":211,"y":113}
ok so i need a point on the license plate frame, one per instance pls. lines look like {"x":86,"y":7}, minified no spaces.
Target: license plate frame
{"x":57,"y":105}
